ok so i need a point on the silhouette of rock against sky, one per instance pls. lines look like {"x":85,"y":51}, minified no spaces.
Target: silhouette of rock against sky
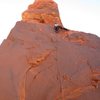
{"x":38,"y":64}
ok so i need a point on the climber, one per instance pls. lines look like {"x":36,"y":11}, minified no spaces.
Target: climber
{"x":57,"y":27}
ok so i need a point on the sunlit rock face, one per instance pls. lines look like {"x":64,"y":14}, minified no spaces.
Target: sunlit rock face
{"x":36,"y":63}
{"x":42,"y":11}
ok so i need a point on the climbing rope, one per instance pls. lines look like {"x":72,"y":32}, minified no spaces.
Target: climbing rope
{"x":56,"y":46}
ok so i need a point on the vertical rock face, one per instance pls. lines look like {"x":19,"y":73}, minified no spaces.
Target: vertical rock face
{"x":38,"y":64}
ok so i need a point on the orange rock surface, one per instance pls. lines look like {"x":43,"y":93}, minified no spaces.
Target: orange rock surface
{"x":38,"y":64}
{"x":42,"y":11}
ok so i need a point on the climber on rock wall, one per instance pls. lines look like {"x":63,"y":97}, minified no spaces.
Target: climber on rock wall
{"x":57,"y":27}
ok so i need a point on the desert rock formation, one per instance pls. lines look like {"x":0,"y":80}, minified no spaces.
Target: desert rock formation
{"x":38,"y":64}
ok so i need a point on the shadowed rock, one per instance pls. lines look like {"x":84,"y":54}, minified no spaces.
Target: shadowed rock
{"x":38,"y":64}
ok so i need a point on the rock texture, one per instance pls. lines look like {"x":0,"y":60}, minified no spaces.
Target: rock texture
{"x":42,"y":11}
{"x":38,"y":64}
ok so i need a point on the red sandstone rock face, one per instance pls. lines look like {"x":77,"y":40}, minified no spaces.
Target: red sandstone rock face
{"x":38,"y":64}
{"x":42,"y":11}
